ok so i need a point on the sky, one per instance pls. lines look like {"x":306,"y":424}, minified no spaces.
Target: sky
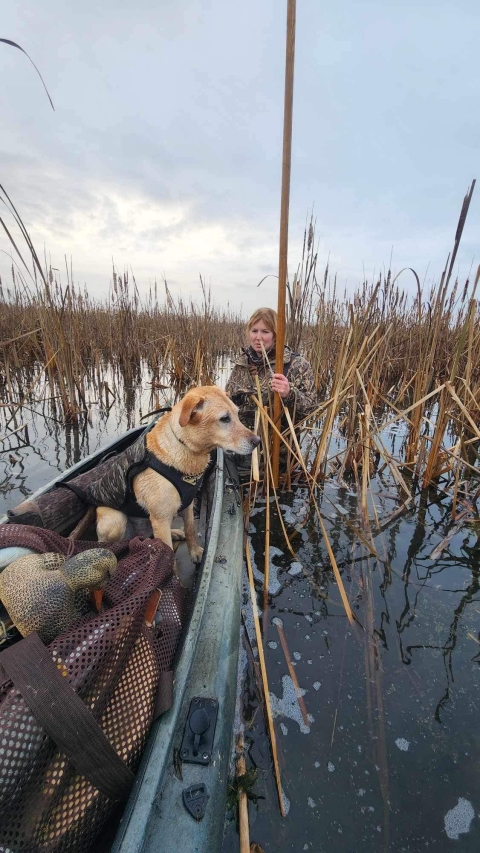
{"x":163,"y":154}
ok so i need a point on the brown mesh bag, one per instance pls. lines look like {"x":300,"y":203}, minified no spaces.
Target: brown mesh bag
{"x":115,"y":663}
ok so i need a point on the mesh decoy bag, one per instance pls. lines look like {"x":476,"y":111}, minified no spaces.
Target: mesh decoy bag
{"x":74,"y":716}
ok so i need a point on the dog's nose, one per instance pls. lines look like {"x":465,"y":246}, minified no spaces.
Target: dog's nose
{"x":255,"y":439}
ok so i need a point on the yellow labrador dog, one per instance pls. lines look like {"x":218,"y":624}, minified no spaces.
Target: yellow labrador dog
{"x":176,"y":455}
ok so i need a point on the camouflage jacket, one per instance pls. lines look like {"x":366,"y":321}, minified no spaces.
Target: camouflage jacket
{"x":301,"y":400}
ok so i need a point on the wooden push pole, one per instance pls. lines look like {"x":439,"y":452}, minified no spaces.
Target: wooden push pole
{"x":284,"y":207}
{"x":243,"y":827}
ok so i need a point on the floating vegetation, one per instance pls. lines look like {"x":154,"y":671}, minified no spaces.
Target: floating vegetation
{"x":243,"y":784}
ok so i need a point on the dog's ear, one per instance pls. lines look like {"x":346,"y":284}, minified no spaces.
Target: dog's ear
{"x":192,"y":403}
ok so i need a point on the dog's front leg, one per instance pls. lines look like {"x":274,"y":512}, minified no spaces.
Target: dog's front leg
{"x":161,"y":530}
{"x":194,"y":549}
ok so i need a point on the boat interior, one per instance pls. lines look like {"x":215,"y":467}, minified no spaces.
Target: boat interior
{"x":205,"y":664}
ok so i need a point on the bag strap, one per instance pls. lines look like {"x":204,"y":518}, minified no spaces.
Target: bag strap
{"x":164,"y":698}
{"x":64,"y":717}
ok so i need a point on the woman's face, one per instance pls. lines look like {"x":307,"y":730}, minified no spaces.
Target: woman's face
{"x":259,"y":334}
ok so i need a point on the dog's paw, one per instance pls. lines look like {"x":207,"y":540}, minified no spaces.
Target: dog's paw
{"x":177,"y":535}
{"x":196,"y":553}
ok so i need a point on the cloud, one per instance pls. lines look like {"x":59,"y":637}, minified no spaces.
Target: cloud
{"x":164,"y":152}
{"x":153,"y":238}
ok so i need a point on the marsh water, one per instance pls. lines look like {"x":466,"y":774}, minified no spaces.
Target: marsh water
{"x":377,"y":723}
{"x":383,"y":752}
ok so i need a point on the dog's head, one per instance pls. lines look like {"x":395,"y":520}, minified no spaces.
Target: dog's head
{"x":209,"y":419}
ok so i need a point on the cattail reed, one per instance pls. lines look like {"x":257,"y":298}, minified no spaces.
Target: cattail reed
{"x":379,"y":356}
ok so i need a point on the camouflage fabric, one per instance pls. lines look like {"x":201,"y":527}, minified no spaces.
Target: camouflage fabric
{"x":301,"y":400}
{"x":113,"y":486}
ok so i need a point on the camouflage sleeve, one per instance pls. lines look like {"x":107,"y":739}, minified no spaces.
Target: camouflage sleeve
{"x":302,"y":398}
{"x":239,"y":385}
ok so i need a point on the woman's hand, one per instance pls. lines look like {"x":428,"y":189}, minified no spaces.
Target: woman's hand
{"x":280,"y":383}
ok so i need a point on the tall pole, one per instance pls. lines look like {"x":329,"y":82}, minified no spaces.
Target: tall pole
{"x":284,"y":208}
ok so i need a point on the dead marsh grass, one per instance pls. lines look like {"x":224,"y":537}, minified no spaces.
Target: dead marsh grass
{"x":380,"y":356}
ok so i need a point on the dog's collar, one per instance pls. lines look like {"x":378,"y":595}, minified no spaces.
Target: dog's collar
{"x":178,"y":438}
{"x":188,"y":478}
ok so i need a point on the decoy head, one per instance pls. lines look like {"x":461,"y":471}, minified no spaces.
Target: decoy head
{"x":90,"y":569}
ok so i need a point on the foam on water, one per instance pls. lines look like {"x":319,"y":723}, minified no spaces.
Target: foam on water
{"x":458,"y":819}
{"x":288,"y":705}
{"x":274,"y":584}
{"x":286,"y":803}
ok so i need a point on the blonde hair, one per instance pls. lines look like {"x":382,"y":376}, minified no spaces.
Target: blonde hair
{"x":268,"y":316}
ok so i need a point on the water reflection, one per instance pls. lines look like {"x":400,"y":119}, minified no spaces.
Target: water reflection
{"x":37,"y":441}
{"x":37,"y":445}
{"x":393,"y":752}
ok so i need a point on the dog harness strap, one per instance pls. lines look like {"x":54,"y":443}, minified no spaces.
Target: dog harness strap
{"x":187,"y":485}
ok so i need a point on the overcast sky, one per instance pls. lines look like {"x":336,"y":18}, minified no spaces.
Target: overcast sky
{"x":164,"y":150}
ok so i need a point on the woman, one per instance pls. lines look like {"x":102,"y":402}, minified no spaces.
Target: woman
{"x":295,"y":384}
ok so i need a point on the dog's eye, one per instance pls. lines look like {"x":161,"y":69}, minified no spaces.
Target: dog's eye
{"x":225,"y":419}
